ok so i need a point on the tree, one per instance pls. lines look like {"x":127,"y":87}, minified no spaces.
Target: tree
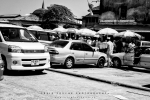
{"x":57,"y":14}
{"x":39,"y":12}
{"x":135,"y":15}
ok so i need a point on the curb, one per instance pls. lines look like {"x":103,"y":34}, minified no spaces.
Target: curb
{"x":101,"y":80}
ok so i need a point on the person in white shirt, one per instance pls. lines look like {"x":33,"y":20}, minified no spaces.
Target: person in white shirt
{"x":110,"y":49}
{"x":131,"y":46}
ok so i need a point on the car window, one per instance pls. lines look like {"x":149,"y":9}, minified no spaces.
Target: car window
{"x":59,"y":43}
{"x":86,"y":47}
{"x":17,"y":35}
{"x":147,"y":51}
{"x":44,"y":36}
{"x":76,"y":46}
{"x":35,"y":33}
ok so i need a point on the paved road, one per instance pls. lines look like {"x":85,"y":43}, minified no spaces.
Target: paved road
{"x":55,"y":86}
{"x":133,"y":77}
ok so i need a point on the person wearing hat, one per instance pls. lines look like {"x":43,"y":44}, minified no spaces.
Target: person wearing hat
{"x":110,"y":47}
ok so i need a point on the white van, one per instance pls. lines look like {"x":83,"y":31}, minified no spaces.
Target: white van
{"x":20,"y":50}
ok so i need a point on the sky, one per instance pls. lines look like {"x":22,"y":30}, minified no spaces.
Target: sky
{"x":78,"y":7}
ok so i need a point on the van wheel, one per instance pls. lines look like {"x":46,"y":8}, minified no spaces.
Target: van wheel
{"x":101,"y":62}
{"x":4,"y":64}
{"x":69,"y":63}
{"x":116,"y":62}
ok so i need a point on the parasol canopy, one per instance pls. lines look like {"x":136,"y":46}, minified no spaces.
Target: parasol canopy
{"x":38,"y":28}
{"x":87,"y":32}
{"x":50,"y":31}
{"x":72,"y":30}
{"x":127,"y":33}
{"x":107,"y":31}
{"x":60,"y":30}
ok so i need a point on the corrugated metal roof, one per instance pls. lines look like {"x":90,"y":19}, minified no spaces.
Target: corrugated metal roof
{"x":31,"y":17}
{"x":10,"y":16}
{"x":10,"y":25}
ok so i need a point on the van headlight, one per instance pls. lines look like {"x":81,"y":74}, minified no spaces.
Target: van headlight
{"x":14,"y":49}
{"x":46,"y":48}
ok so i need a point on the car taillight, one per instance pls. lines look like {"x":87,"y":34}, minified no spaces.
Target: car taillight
{"x":53,"y":52}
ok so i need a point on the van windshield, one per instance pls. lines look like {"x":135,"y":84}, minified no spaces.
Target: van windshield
{"x":17,"y":35}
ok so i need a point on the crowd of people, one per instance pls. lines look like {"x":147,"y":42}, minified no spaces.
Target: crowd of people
{"x":106,"y":44}
{"x":110,"y":45}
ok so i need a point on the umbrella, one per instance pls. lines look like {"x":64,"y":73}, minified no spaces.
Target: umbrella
{"x":127,"y":33}
{"x":107,"y":31}
{"x":50,"y":31}
{"x":72,"y":30}
{"x":87,"y":32}
{"x":60,"y":30}
{"x":38,"y":28}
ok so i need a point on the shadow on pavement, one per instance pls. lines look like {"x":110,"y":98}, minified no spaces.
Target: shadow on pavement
{"x":147,"y":86}
{"x":143,"y":70}
{"x":124,"y":68}
{"x":75,"y":67}
{"x":23,"y":73}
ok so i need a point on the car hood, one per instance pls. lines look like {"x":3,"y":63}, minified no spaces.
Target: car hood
{"x":27,"y":45}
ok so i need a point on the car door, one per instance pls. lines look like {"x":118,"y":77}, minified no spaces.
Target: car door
{"x":145,"y":59}
{"x":128,"y":58}
{"x":77,"y":52}
{"x":89,"y":54}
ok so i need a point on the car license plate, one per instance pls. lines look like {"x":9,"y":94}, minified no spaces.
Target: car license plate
{"x":34,"y":62}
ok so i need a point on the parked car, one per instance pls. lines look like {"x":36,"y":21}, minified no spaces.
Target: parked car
{"x":128,"y":58}
{"x":44,"y":36}
{"x":20,"y":50}
{"x":70,"y":52}
{"x":1,"y":69}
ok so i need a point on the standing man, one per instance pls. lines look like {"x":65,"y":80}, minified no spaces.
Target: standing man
{"x":110,"y":49}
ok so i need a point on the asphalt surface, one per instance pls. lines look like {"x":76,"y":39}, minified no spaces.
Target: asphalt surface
{"x":135,"y":78}
{"x":55,"y":86}
{"x":79,"y":83}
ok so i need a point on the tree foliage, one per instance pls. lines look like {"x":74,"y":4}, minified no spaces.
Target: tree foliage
{"x":57,"y":13}
{"x":39,"y":12}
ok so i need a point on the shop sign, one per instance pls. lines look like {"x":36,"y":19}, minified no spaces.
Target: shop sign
{"x":117,"y":22}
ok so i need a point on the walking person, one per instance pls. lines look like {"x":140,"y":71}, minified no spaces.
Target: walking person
{"x":137,"y":53}
{"x":132,"y":46}
{"x":110,"y":48}
{"x":119,"y":45}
